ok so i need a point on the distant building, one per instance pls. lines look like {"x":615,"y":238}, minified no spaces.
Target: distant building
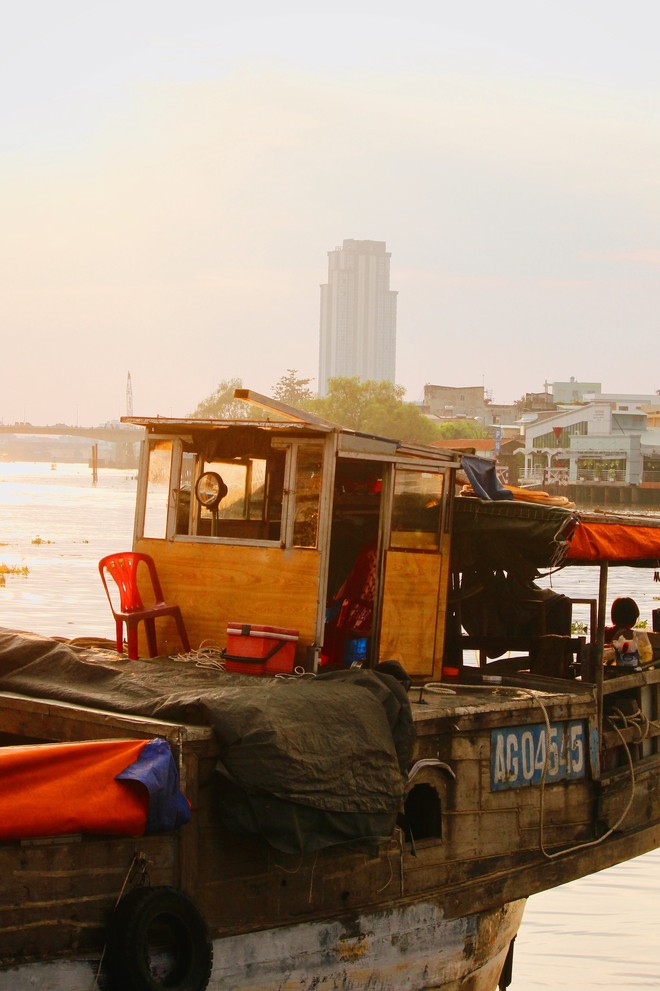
{"x":536,"y":401}
{"x":358,"y":315}
{"x":453,"y":402}
{"x":449,"y":402}
{"x":575,"y":392}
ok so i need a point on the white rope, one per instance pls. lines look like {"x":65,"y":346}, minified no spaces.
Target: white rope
{"x":437,"y":688}
{"x":297,"y":673}
{"x":588,"y":843}
{"x":207,"y":655}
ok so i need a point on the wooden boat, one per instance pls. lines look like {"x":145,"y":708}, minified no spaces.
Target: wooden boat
{"x":347,"y":828}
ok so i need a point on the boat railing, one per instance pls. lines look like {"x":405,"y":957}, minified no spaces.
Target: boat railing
{"x":601,"y":474}
{"x":597,"y":474}
{"x":533,"y":476}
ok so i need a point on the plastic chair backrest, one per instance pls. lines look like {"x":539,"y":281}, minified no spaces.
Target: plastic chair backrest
{"x":123,"y":568}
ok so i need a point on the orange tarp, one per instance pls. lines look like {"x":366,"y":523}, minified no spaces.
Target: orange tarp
{"x":614,"y":542}
{"x":54,"y":789}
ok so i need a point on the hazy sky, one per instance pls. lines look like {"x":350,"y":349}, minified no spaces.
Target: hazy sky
{"x":173,"y":175}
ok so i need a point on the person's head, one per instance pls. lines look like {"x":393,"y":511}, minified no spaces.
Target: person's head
{"x":625,"y":612}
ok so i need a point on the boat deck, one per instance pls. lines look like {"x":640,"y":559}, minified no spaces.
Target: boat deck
{"x":498,"y":697}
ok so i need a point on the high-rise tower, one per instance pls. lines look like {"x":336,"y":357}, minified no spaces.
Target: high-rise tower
{"x":358,"y":315}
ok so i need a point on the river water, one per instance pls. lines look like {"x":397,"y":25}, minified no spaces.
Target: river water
{"x":594,"y":934}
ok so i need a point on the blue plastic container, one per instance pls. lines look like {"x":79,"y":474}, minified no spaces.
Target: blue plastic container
{"x":355,"y":650}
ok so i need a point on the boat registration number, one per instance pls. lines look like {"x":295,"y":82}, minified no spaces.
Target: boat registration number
{"x":519,"y":754}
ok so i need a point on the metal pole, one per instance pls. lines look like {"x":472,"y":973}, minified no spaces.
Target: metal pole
{"x":600,"y":643}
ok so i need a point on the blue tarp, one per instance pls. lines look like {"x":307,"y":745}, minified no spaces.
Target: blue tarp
{"x":483,"y":478}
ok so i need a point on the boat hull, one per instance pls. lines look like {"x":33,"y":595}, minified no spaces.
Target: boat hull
{"x":410,"y":947}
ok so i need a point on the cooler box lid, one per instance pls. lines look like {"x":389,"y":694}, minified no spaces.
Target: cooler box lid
{"x":253,"y":630}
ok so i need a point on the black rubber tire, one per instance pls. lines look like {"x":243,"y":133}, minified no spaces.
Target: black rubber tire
{"x":162,"y":919}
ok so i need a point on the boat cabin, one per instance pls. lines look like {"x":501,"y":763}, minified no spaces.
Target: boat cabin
{"x":288,"y":521}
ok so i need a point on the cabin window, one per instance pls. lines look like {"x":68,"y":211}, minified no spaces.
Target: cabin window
{"x":251,"y":506}
{"x":232,"y":498}
{"x":234,"y":486}
{"x":416,"y":510}
{"x":158,"y":488}
{"x":245,"y":483}
{"x":309,"y":462}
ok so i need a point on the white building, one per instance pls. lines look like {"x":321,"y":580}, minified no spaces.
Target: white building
{"x":358,"y":315}
{"x":606,"y":440}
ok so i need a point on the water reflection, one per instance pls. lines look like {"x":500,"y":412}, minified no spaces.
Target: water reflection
{"x":597,"y":933}
{"x":58,"y":525}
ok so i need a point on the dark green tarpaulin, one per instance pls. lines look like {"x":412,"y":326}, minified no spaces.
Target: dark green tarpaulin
{"x":307,"y":763}
{"x":513,"y":535}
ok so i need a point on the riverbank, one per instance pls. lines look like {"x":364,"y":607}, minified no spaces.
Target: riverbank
{"x":611,"y":494}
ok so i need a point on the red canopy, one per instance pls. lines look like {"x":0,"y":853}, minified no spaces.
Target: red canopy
{"x":615,"y":542}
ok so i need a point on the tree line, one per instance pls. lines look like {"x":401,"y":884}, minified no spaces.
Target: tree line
{"x":366,"y":406}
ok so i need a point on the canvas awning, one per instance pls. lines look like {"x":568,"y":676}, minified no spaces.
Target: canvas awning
{"x":616,"y":542}
{"x":518,"y":535}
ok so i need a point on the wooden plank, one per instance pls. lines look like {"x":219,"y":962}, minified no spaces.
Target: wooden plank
{"x":44,"y":719}
{"x":408,"y":623}
{"x":56,"y":895}
{"x":217,"y":584}
{"x":187,"y":836}
{"x":631,"y":734}
{"x":624,"y":682}
{"x":443,"y":597}
{"x":522,"y":879}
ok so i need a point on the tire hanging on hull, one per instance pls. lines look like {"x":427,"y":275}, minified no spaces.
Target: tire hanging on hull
{"x":157,"y":940}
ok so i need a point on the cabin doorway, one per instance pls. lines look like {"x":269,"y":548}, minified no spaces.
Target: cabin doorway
{"x":387,"y":566}
{"x":415,"y":570}
{"x":352,"y":592}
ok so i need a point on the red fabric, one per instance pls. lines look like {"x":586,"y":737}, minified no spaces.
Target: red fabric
{"x":353,"y":606}
{"x":358,"y":592}
{"x":54,"y":789}
{"x":614,"y":542}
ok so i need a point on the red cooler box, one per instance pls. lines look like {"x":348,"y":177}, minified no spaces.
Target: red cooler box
{"x":259,"y":649}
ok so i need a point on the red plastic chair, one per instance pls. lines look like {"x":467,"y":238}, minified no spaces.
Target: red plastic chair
{"x":123,"y":569}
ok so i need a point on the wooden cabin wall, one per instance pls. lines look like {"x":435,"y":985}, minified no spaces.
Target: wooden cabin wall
{"x":216,"y":584}
{"x":414,"y":610}
{"x":441,"y":626}
{"x":409,"y":610}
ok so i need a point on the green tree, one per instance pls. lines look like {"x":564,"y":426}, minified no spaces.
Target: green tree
{"x":374,"y":408}
{"x":293,"y":390}
{"x":461,"y":428}
{"x":221,"y":405}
